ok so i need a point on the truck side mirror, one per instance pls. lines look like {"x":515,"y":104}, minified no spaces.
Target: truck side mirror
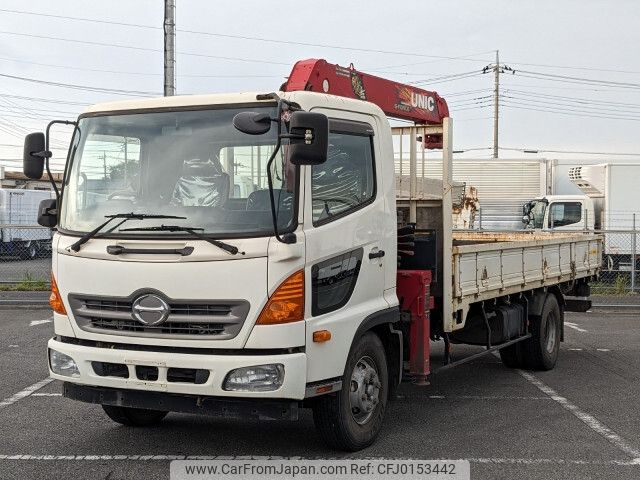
{"x":309,"y":138}
{"x":48,"y":213}
{"x":252,"y":123}
{"x":526,"y":209}
{"x":34,"y":155}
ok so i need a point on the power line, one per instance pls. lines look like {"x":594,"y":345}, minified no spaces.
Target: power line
{"x":308,"y":44}
{"x":576,"y":80}
{"x":448,"y":78}
{"x":578,"y":100}
{"x":508,"y":104}
{"x":80,"y":87}
{"x":582,"y":107}
{"x":571,"y":107}
{"x":124,"y":72}
{"x":535,"y":150}
{"x":413,"y":64}
{"x":466,"y":92}
{"x":244,"y":37}
{"x":581,"y":79}
{"x":45,"y":100}
{"x":144,"y":49}
{"x":568,"y":67}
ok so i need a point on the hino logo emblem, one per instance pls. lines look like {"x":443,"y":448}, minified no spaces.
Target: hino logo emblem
{"x":150,"y":309}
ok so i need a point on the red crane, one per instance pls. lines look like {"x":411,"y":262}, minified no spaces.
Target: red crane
{"x":397,"y":100}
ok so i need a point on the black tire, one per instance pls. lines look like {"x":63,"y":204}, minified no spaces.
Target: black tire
{"x":541,"y":350}
{"x":346,"y":427}
{"x":134,"y":417}
{"x":512,"y":356}
{"x":30,"y":251}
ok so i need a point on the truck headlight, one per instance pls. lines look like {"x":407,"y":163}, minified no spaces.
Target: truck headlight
{"x":62,"y":364}
{"x":260,"y":378}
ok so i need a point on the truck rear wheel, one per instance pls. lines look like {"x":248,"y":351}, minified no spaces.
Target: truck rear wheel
{"x":134,"y":417}
{"x":29,"y":251}
{"x":351,"y":419}
{"x":541,"y":350}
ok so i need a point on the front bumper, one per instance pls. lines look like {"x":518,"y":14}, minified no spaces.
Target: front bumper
{"x":218,"y":366}
{"x":258,"y":408}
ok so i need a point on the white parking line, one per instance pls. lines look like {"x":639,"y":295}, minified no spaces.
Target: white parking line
{"x":589,"y":420}
{"x":575,"y":349}
{"x":33,"y":323}
{"x":25,"y":393}
{"x":46,"y":395}
{"x":483,"y":397}
{"x":603,"y":349}
{"x":147,"y":458}
{"x":575,"y":327}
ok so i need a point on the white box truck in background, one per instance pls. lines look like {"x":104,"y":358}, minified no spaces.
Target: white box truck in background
{"x":20,"y":235}
{"x":610,"y":202}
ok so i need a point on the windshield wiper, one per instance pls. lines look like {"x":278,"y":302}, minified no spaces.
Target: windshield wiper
{"x":125,"y":217}
{"x":175,"y":228}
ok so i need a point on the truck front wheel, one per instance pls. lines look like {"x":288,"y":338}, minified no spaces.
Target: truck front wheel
{"x":134,"y":417}
{"x":352,"y":418}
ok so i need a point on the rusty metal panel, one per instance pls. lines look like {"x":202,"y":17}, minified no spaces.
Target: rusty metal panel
{"x":532,"y":264}
{"x":512,"y":267}
{"x":468,"y":282}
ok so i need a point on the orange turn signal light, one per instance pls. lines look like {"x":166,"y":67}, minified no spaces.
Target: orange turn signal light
{"x":287,"y":302}
{"x":321,"y":336}
{"x":55,"y":299}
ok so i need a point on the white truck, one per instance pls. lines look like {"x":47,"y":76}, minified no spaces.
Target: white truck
{"x":610,"y":203}
{"x":172,"y":294}
{"x":19,"y":233}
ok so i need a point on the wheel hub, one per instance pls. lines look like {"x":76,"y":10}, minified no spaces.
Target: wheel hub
{"x":550,"y":333}
{"x":364,"y":393}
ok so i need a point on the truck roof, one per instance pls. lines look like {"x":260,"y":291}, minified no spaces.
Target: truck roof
{"x":306,"y":100}
{"x":568,"y":198}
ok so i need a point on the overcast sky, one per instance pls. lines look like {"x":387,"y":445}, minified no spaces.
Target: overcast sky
{"x":583,"y":39}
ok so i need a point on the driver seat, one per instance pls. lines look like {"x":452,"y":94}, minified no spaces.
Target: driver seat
{"x":202,"y":183}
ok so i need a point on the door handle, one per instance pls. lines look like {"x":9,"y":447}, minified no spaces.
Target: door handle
{"x":378,"y":254}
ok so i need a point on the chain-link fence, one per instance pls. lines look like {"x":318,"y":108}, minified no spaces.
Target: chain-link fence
{"x":25,"y":257}
{"x":619,"y":282}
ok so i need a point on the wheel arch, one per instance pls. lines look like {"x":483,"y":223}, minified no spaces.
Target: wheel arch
{"x":539,"y":298}
{"x":382,"y":323}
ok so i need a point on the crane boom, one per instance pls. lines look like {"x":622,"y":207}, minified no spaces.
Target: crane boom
{"x":397,"y":100}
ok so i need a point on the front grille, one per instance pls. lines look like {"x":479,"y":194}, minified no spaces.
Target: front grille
{"x":166,"y":328}
{"x":218,"y":319}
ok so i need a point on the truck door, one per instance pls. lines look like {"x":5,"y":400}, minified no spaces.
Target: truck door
{"x":566,"y":216}
{"x":345,"y":233}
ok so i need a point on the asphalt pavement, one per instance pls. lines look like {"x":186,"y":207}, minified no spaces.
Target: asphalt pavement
{"x":579,"y":421}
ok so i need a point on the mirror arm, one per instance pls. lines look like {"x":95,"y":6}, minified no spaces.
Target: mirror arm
{"x":286,"y":238}
{"x":47,"y":153}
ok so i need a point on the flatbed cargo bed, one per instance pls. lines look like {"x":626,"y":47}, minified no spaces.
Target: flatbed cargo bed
{"x":488,"y":265}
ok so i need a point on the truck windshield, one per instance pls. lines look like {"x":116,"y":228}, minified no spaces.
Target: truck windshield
{"x":191,"y":164}
{"x":537,"y":213}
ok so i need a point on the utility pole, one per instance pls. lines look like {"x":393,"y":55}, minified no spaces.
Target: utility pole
{"x":496,"y":99}
{"x":169,"y":48}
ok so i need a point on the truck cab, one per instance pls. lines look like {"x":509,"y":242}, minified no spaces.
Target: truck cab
{"x":273,"y":314}
{"x":559,"y":212}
